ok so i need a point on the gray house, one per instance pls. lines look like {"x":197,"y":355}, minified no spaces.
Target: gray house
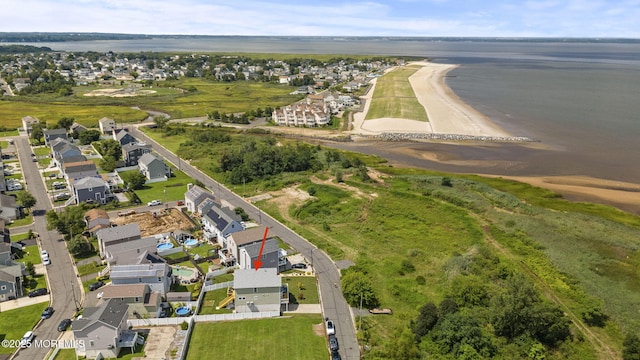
{"x":79,"y":169}
{"x":142,"y":301}
{"x":96,"y":219}
{"x":153,"y":168}
{"x":63,"y":151}
{"x":90,"y":189}
{"x":28,"y":122}
{"x":132,"y":152}
{"x":157,"y":275}
{"x":241,"y":249}
{"x":219,"y":222}
{"x":129,"y":252}
{"x":103,"y":331}
{"x":107,"y":125}
{"x":257,"y":290}
{"x":77,"y":128}
{"x":9,"y":208}
{"x":123,"y":137}
{"x":50,"y":135}
{"x":10,"y":274}
{"x":194,"y":196}
{"x":116,"y":235}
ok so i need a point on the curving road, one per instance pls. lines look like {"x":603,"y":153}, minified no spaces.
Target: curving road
{"x":334,"y":305}
{"x":63,"y":284}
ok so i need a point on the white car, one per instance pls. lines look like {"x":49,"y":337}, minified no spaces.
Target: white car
{"x":46,"y":261}
{"x":27,"y":339}
{"x":154,"y":203}
{"x":331,"y":329}
{"x":44,"y":254}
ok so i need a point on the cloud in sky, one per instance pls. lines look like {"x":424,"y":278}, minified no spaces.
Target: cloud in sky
{"x":506,"y":18}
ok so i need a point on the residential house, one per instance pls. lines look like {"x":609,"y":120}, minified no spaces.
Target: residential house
{"x":79,"y":169}
{"x":28,"y":122}
{"x":5,"y":234}
{"x":257,"y":290}
{"x":117,"y":234}
{"x":50,"y":135}
{"x":142,"y":301}
{"x":9,"y":208}
{"x":96,"y":219}
{"x":103,"y":331}
{"x":123,"y":137}
{"x":91,"y":189}
{"x":153,"y":168}
{"x":107,"y":125}
{"x":158,"y":276}
{"x":77,"y":128}
{"x":130,"y":252}
{"x":240,"y":251}
{"x":132,"y":152}
{"x":64,"y":151}
{"x":194,"y":196}
{"x":218,"y":222}
{"x":11,"y":274}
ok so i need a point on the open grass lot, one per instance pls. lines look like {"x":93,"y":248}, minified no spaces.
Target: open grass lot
{"x":12,"y":113}
{"x":19,"y":237}
{"x":41,"y":150}
{"x":8,"y":133}
{"x":30,"y":254}
{"x":14,"y":323}
{"x":91,"y":268}
{"x":66,"y":354}
{"x":171,"y":190}
{"x":269,"y":339}
{"x":211,"y":300}
{"x":393,"y":97}
{"x":305,"y":285}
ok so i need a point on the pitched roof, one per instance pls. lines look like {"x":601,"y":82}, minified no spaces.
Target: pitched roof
{"x":148,"y":158}
{"x":252,"y":278}
{"x":60,"y":131}
{"x":121,"y":134}
{"x":112,"y":313}
{"x":248,"y":236}
{"x":270,"y":246}
{"x":94,"y":214}
{"x":88,"y":182}
{"x":105,"y":119}
{"x":118,"y":232}
{"x":8,"y":201}
{"x":134,"y":146}
{"x":79,"y":166}
{"x":124,"y":291}
{"x":222,"y":217}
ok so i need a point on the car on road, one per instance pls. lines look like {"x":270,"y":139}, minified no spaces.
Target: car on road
{"x":335,"y":355}
{"x":44,"y":254}
{"x":46,"y":261}
{"x":299,"y":266}
{"x":38,"y":292}
{"x":154,"y":203}
{"x":48,"y":311}
{"x":96,"y":285}
{"x":333,"y":343}
{"x":26,"y":340}
{"x":331,"y":329}
{"x":64,"y":325}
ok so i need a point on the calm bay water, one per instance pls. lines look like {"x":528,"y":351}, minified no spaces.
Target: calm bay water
{"x":581,"y":98}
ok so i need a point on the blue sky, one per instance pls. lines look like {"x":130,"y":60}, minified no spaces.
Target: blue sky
{"x":504,"y":18}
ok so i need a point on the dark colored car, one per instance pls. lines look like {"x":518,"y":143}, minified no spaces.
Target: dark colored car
{"x":333,"y":343}
{"x":335,"y":355}
{"x":96,"y":285}
{"x":38,"y":292}
{"x":299,"y":266}
{"x":64,"y":325}
{"x":48,"y":311}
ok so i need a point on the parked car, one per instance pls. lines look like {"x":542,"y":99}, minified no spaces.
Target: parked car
{"x":333,"y":343}
{"x":46,"y":261}
{"x":299,"y":266}
{"x":96,"y":285}
{"x":61,"y":196}
{"x":331,"y":329}
{"x":48,"y":311}
{"x":64,"y":324}
{"x":154,"y":203}
{"x":26,"y":340}
{"x":44,"y":254}
{"x":335,"y":355}
{"x":38,"y":292}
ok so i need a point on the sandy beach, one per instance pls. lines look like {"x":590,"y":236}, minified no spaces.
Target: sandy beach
{"x":447,"y":113}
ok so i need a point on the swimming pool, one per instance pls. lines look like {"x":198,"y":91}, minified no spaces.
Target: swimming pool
{"x":183,"y":272}
{"x":164,"y":246}
{"x":191,"y":243}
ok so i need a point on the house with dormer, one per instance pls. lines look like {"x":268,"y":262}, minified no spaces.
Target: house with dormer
{"x":219,"y":222}
{"x":50,"y":135}
{"x":117,"y":234}
{"x":123,"y":137}
{"x":194,"y":196}
{"x":91,"y":189}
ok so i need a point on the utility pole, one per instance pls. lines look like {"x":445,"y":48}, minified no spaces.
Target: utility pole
{"x":360,"y":322}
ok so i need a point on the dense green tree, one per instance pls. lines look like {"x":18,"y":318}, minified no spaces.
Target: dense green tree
{"x":134,"y":180}
{"x":426,"y":320}
{"x":631,"y":347}
{"x":357,"y":286}
{"x":25,"y":199}
{"x":108,"y":163}
{"x":69,"y":221}
{"x":78,"y":245}
{"x":458,"y":330}
{"x":109,"y":147}
{"x":66,"y":122}
{"x":37,"y":133}
{"x":31,"y":270}
{"x":89,"y":136}
{"x":403,"y":346}
{"x":160,"y":121}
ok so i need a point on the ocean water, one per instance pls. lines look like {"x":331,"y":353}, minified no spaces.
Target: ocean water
{"x":579,"y":98}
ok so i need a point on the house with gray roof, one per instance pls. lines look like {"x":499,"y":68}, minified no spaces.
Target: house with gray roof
{"x":64,"y":151}
{"x":50,"y":135}
{"x":158,"y":276}
{"x":91,"y":189}
{"x":241,"y":249}
{"x":28,"y":122}
{"x":107,"y":125}
{"x":11,"y":274}
{"x":132,"y":152}
{"x":9,"y":208}
{"x":96,"y":219}
{"x":103,"y":332}
{"x":129,"y":252}
{"x":77,"y":128}
{"x":79,"y":169}
{"x":123,"y":137}
{"x":194,"y":196}
{"x":153,"y":168}
{"x":257,"y":290}
{"x":116,"y":235}
{"x":219,"y":222}
{"x":142,"y":301}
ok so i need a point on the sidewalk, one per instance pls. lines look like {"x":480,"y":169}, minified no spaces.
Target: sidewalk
{"x":304,"y":309}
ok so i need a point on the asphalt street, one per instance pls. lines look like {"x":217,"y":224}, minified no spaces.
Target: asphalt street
{"x":334,"y":305}
{"x":62,"y":280}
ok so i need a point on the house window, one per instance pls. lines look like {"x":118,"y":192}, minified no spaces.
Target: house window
{"x":137,"y":299}
{"x":255,"y":290}
{"x":90,"y":189}
{"x":139,"y":279}
{"x":138,"y":250}
{"x":4,"y":287}
{"x":242,"y":298}
{"x":159,"y":279}
{"x":91,"y":343}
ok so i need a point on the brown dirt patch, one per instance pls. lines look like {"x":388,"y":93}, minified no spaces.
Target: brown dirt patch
{"x":164,"y":220}
{"x":318,"y":329}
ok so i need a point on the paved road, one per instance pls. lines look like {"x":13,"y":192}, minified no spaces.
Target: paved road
{"x":333,"y":303}
{"x":62,"y":278}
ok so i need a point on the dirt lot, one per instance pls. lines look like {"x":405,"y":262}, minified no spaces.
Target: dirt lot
{"x":164,"y":220}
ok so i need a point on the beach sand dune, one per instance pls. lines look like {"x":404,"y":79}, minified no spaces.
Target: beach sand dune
{"x":447,"y":113}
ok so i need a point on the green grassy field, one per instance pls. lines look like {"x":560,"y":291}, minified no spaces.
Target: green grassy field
{"x":66,"y":354}
{"x":212,"y":300}
{"x":14,"y":323}
{"x":171,"y":190}
{"x":393,"y":97}
{"x":269,"y":339}
{"x":305,"y":285}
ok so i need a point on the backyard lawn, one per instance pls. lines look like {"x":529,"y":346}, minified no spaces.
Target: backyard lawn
{"x":30,"y":254}
{"x":171,"y":190}
{"x":211,"y":300}
{"x":269,"y":339}
{"x":14,"y":323}
{"x":302,"y":285}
